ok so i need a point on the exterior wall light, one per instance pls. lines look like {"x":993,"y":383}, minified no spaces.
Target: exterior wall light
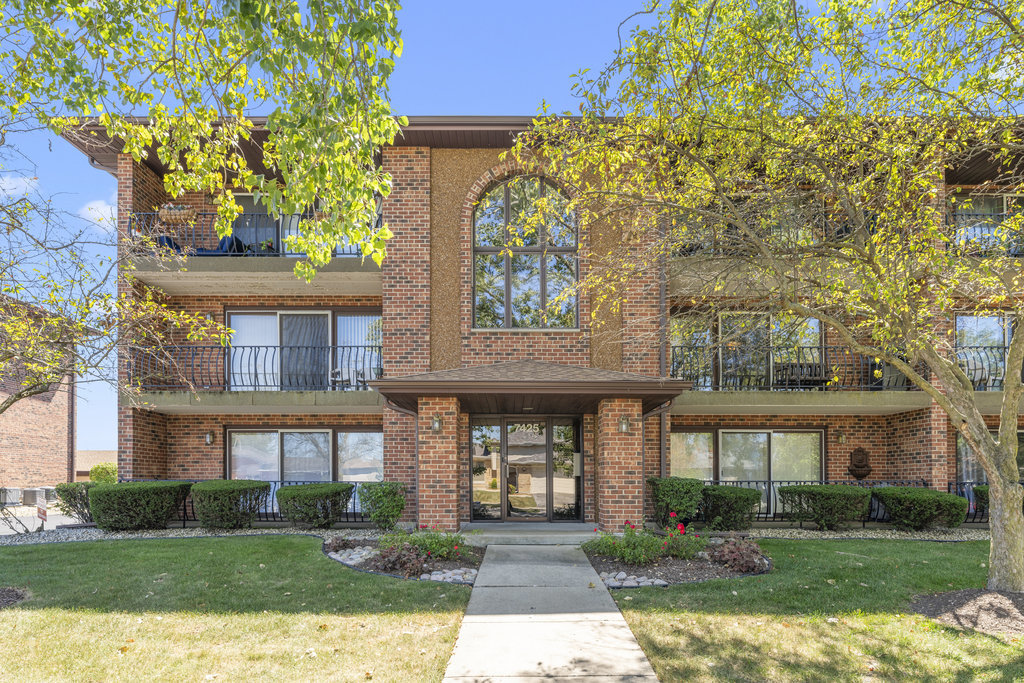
{"x":624,"y":424}
{"x":208,"y":438}
{"x":840,"y":437}
{"x":436,"y":423}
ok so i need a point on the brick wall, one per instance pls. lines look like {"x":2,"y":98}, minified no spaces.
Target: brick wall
{"x":442,"y":463}
{"x":619,"y":475}
{"x":37,"y":438}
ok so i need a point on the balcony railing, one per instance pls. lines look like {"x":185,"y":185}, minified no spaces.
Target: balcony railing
{"x":976,"y":232}
{"x":985,"y":366}
{"x":255,"y":368}
{"x":742,"y":367}
{"x":252,"y":234}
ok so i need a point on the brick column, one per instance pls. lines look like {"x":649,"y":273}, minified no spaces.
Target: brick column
{"x":619,"y":476}
{"x":438,"y":465}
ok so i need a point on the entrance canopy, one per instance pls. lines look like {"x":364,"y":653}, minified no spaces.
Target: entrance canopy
{"x":527,"y":386}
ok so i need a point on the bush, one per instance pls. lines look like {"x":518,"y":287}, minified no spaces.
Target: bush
{"x":73,"y":499}
{"x":229,"y":503}
{"x":432,"y":543}
{"x":675,"y":494}
{"x":633,"y":547}
{"x":319,"y":505}
{"x":981,"y":496}
{"x":136,"y":505}
{"x":730,"y":507}
{"x":914,"y":509}
{"x":405,"y":559}
{"x":827,"y":505}
{"x":103,"y":473}
{"x":383,"y":502}
{"x":738,"y":555}
{"x":683,"y":546}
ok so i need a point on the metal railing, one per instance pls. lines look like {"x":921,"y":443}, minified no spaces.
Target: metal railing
{"x":254,"y":368}
{"x":252,"y":234}
{"x":742,"y":367}
{"x":772,"y":508}
{"x":985,"y":366}
{"x":977,"y":232}
{"x":269,"y":512}
{"x":965,"y":489}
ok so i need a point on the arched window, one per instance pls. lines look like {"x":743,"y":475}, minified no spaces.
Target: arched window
{"x":524,"y":257}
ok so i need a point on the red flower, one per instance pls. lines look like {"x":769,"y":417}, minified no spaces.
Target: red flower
{"x":671,"y":514}
{"x":681,"y":528}
{"x":456,"y":547}
{"x":595,"y":528}
{"x":632,"y":526}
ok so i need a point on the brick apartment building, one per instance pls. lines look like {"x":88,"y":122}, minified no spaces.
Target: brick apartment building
{"x":37,"y":438}
{"x":436,"y":369}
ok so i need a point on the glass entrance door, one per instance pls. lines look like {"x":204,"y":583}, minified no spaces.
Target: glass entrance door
{"x":526,"y":470}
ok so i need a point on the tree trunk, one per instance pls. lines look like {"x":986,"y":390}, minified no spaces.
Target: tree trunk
{"x":1006,"y":522}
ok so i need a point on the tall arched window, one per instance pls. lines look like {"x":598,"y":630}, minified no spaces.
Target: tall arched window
{"x":524,"y":257}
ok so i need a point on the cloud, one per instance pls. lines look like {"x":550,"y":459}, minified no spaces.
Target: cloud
{"x":101,"y":213}
{"x":14,"y":185}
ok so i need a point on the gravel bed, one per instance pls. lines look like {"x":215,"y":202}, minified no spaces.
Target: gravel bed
{"x":358,"y":554}
{"x":960,"y":534}
{"x":93,"y":534}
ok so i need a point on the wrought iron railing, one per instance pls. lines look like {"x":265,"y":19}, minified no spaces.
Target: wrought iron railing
{"x":270,"y":512}
{"x":985,"y":366}
{"x":742,"y":367}
{"x":965,"y":489}
{"x":772,"y":509}
{"x":978,"y":233}
{"x":254,"y":368}
{"x":252,"y":234}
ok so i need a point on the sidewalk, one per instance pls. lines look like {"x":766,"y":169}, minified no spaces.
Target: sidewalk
{"x":542,"y":612}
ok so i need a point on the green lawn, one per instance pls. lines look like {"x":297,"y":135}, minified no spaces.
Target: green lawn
{"x":264,"y":607}
{"x":775,"y":627}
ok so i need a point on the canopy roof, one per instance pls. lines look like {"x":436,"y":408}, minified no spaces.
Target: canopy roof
{"x":527,"y":386}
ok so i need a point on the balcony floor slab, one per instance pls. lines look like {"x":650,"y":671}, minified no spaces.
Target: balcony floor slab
{"x":256,"y":402}
{"x":799,"y":402}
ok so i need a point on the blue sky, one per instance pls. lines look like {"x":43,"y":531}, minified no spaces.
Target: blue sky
{"x":460,"y":57}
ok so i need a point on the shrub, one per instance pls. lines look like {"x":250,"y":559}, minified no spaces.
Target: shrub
{"x":229,"y":503}
{"x":73,"y":499}
{"x":981,"y":496}
{"x":683,"y":546}
{"x":918,"y":508}
{"x":319,"y":505}
{"x":738,"y":555}
{"x":103,"y":473}
{"x":633,"y":547}
{"x":432,"y":543}
{"x":405,"y":559}
{"x":827,"y":505}
{"x":730,"y":507}
{"x":383,"y":502}
{"x":136,"y":505}
{"x":675,"y":494}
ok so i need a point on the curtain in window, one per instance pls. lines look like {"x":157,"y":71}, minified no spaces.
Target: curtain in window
{"x":254,"y":352}
{"x":305,"y":351}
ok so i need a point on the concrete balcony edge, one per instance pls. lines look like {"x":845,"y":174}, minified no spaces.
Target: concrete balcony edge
{"x":255,"y":402}
{"x":799,"y":402}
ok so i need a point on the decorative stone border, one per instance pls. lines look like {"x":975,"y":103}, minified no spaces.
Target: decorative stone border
{"x":353,"y":557}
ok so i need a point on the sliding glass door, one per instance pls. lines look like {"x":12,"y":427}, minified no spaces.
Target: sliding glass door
{"x":276,"y":351}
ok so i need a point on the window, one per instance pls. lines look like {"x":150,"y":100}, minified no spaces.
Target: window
{"x":981,"y":345}
{"x":978,"y":220}
{"x":969,"y":469}
{"x":306,"y":455}
{"x":747,"y":455}
{"x":524,"y":257}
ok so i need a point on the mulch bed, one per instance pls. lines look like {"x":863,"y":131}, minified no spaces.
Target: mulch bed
{"x":11,"y":596}
{"x":668,"y":569}
{"x":982,"y":610}
{"x":469,"y":559}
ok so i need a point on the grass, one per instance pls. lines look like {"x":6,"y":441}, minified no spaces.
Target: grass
{"x":776,"y":626}
{"x":266,"y":607}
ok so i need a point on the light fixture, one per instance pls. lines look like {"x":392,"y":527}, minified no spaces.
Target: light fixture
{"x":624,"y":424}
{"x":840,"y":437}
{"x":208,"y":438}
{"x":436,"y":423}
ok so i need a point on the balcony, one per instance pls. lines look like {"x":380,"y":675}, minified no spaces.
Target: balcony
{"x":249,"y":379}
{"x":253,"y":259}
{"x":980,"y":233}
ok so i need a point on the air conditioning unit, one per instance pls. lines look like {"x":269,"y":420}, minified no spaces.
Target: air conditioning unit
{"x":10,"y":496}
{"x":50,"y":493}
{"x":33,"y":497}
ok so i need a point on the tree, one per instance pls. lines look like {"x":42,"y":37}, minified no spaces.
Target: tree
{"x":184,"y":77}
{"x":791,"y":158}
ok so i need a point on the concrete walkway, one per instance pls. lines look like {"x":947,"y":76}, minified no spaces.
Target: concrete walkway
{"x":542,"y":613}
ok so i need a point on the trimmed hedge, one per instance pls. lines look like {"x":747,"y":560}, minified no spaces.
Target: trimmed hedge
{"x":914,"y":509}
{"x":827,"y":505}
{"x":103,"y":473}
{"x":383,"y":502}
{"x":229,"y":503}
{"x":319,"y":505}
{"x":730,"y":508}
{"x":136,"y":505}
{"x":981,"y":496}
{"x":73,"y":499}
{"x":675,"y":494}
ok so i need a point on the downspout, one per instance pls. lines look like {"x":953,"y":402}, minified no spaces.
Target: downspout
{"x":416,"y":453}
{"x":660,"y":411}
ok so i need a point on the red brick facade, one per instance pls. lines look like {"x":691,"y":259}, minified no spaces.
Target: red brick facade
{"x":37,"y":439}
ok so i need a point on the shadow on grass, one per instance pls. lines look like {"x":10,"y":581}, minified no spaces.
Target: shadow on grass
{"x":255,"y":574}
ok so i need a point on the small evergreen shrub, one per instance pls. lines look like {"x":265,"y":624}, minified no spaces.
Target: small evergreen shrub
{"x":103,"y":473}
{"x":229,"y":503}
{"x":136,"y":505}
{"x":981,"y":496}
{"x":319,"y":505}
{"x":675,"y":494}
{"x":383,"y":502}
{"x":827,"y":505}
{"x":730,"y":508}
{"x":73,"y":499}
{"x":914,"y":509}
{"x":433,"y":543}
